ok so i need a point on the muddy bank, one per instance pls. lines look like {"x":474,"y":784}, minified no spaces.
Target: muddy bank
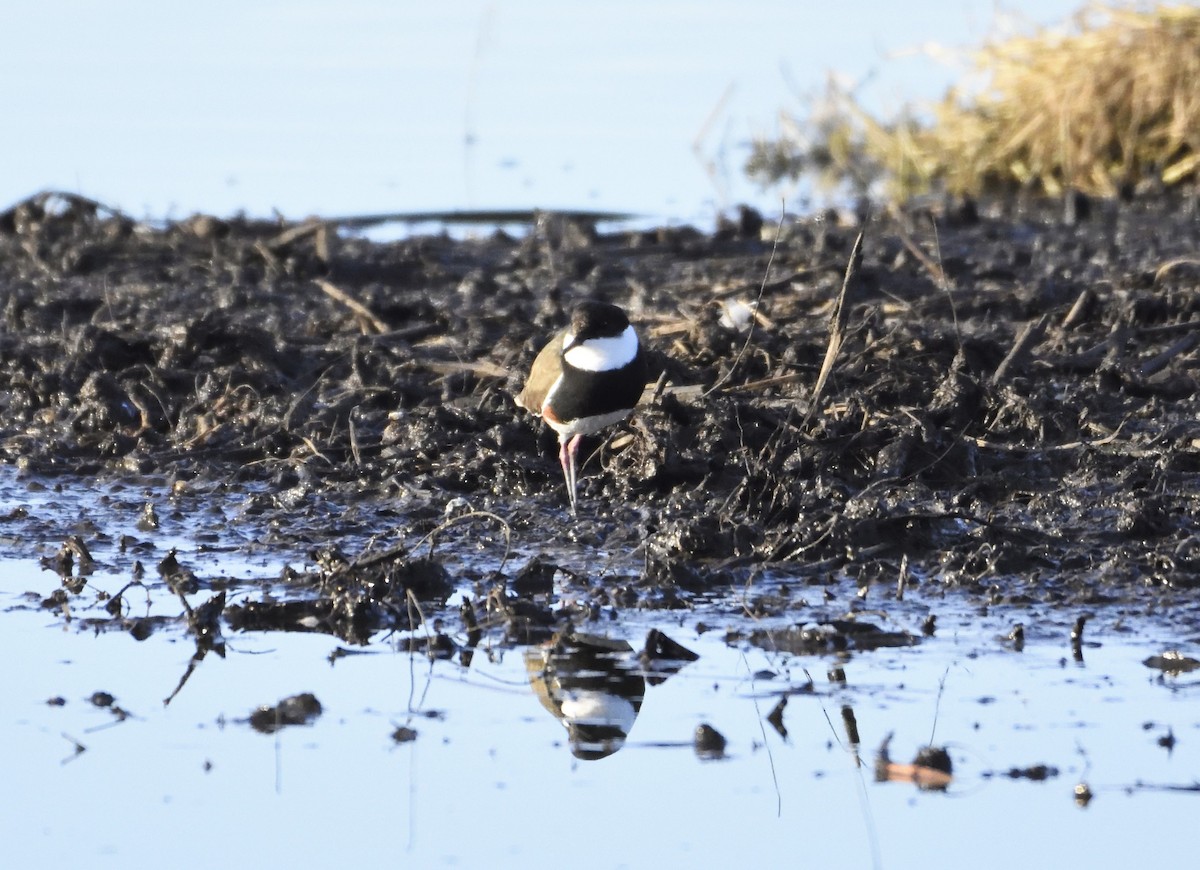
{"x":1013,"y":407}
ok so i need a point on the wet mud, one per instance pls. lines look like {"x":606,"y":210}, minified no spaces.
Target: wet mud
{"x":996,"y":398}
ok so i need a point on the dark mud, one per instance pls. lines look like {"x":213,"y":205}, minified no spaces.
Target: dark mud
{"x":1013,"y":410}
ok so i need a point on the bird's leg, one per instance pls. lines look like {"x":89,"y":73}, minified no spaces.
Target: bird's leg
{"x":566,"y":458}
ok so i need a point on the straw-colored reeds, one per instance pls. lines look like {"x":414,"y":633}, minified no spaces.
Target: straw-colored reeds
{"x":1108,"y":104}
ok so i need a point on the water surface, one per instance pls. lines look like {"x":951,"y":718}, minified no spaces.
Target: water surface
{"x":490,"y":776}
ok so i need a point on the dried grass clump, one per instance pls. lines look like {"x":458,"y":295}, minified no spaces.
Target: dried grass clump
{"x":1102,"y":108}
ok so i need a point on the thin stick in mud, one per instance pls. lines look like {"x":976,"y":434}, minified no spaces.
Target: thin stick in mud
{"x":837,"y":327}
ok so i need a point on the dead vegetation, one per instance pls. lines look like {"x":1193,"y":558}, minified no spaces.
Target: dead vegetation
{"x":1105,"y":106}
{"x":997,"y":400}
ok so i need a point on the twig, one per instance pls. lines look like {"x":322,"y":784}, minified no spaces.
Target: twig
{"x":761,"y":289}
{"x":482,"y":368}
{"x":1089,"y":360}
{"x":709,"y":166}
{"x":946,"y":288}
{"x":361,"y":311}
{"x":291,"y":234}
{"x":1166,"y":267}
{"x":354,"y":451}
{"x":937,"y":706}
{"x":1072,"y":445}
{"x":766,"y":383}
{"x":79,"y":747}
{"x":414,"y":604}
{"x":524,"y":216}
{"x":837,"y":328}
{"x":935,"y":271}
{"x":1082,"y":302}
{"x":399,"y":550}
{"x":1160,"y":361}
{"x":469,"y":516}
{"x":766,"y":744}
{"x":1027,"y":339}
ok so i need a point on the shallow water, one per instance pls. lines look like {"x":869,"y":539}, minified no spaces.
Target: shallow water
{"x":491,"y":778}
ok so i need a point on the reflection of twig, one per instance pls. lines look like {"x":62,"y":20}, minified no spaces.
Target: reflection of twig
{"x":1161,"y":786}
{"x":182,"y":680}
{"x":747,"y":610}
{"x":115,"y":603}
{"x":119,"y":715}
{"x":937,"y":705}
{"x":851,"y":724}
{"x":79,"y":748}
{"x":198,"y":656}
{"x":825,"y":713}
{"x":204,"y":626}
{"x":278,"y":746}
{"x":414,"y":604}
{"x":766,"y":743}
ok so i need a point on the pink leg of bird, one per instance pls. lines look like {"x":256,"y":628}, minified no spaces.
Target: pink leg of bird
{"x":568,"y":448}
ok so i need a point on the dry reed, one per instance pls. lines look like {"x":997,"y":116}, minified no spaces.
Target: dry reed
{"x":1106,"y":105}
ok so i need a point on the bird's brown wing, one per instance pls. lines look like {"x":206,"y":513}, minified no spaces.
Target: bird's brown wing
{"x":542,"y":374}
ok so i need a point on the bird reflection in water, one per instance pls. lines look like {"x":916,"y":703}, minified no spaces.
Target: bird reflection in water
{"x":593,"y":685}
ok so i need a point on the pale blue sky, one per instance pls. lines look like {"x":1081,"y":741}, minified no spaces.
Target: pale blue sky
{"x":363,"y":105}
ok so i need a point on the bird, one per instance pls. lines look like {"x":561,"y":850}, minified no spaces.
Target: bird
{"x":587,"y":377}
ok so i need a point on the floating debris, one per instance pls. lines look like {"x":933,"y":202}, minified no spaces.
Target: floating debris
{"x":1033,"y":773}
{"x":1172,"y":663}
{"x":661,"y":657}
{"x":930,"y":770}
{"x":404,"y":734}
{"x":302,"y":709}
{"x":836,"y":636}
{"x":708,"y":742}
{"x":775,"y":718}
{"x":1016,"y":637}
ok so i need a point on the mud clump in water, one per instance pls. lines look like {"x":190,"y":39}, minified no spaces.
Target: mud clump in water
{"x":302,"y":709}
{"x":1012,"y":407}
